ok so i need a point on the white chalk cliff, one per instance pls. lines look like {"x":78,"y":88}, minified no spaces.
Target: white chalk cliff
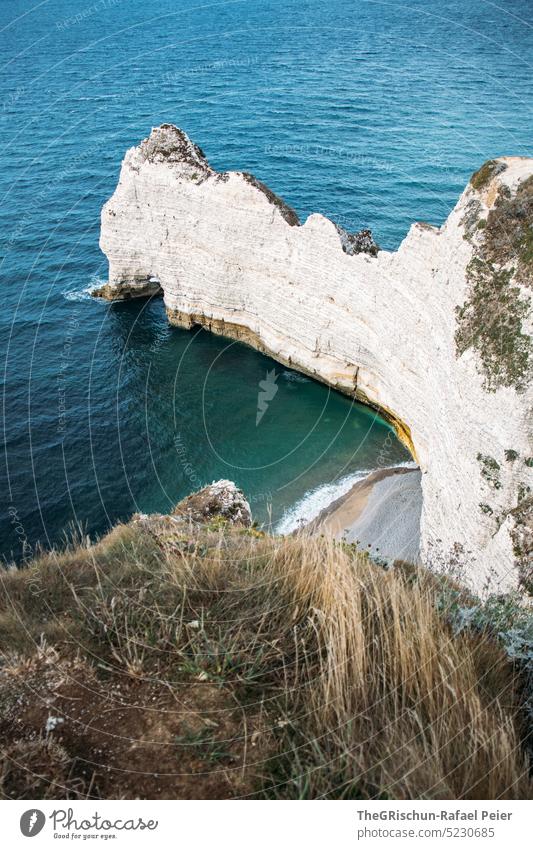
{"x":436,"y":335}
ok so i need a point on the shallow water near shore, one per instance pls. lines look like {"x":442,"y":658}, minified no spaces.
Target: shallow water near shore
{"x":367,"y":112}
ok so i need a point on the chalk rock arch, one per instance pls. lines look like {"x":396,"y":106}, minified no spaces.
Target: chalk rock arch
{"x":411,"y":332}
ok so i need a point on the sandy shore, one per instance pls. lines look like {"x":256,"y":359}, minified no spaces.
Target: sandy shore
{"x":380,"y":513}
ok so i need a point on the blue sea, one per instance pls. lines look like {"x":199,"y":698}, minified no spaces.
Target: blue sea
{"x":373,"y":113}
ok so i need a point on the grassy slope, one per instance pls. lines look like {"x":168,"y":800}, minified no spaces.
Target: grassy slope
{"x":217,"y":662}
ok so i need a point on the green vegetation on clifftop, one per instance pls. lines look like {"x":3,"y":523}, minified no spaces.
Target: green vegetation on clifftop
{"x":491,"y":319}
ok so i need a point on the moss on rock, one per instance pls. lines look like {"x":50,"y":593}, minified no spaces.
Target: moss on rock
{"x":490,"y":469}
{"x":286,"y":211}
{"x":485,"y":174}
{"x":509,"y":231}
{"x":490,"y":321}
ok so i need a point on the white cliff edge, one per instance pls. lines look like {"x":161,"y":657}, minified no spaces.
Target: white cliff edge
{"x":435,"y":335}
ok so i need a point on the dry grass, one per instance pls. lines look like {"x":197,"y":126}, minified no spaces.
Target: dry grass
{"x":218,"y":662}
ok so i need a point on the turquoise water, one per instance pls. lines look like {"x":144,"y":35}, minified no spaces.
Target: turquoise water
{"x":372,"y":113}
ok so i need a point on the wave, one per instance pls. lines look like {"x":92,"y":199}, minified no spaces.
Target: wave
{"x":315,"y":500}
{"x":85,"y":294}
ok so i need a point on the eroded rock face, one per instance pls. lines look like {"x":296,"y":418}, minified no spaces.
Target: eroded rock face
{"x":406,"y":331}
{"x":168,"y":145}
{"x":357,"y":243}
{"x":220,"y":499}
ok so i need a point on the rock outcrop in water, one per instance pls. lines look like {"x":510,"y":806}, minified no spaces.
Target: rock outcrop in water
{"x":220,"y":498}
{"x":435,"y":335}
{"x":220,"y":501}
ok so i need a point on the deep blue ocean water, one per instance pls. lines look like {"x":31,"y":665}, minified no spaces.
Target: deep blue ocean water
{"x":373,"y":113}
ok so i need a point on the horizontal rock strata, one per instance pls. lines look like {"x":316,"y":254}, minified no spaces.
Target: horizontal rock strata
{"x":436,"y":335}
